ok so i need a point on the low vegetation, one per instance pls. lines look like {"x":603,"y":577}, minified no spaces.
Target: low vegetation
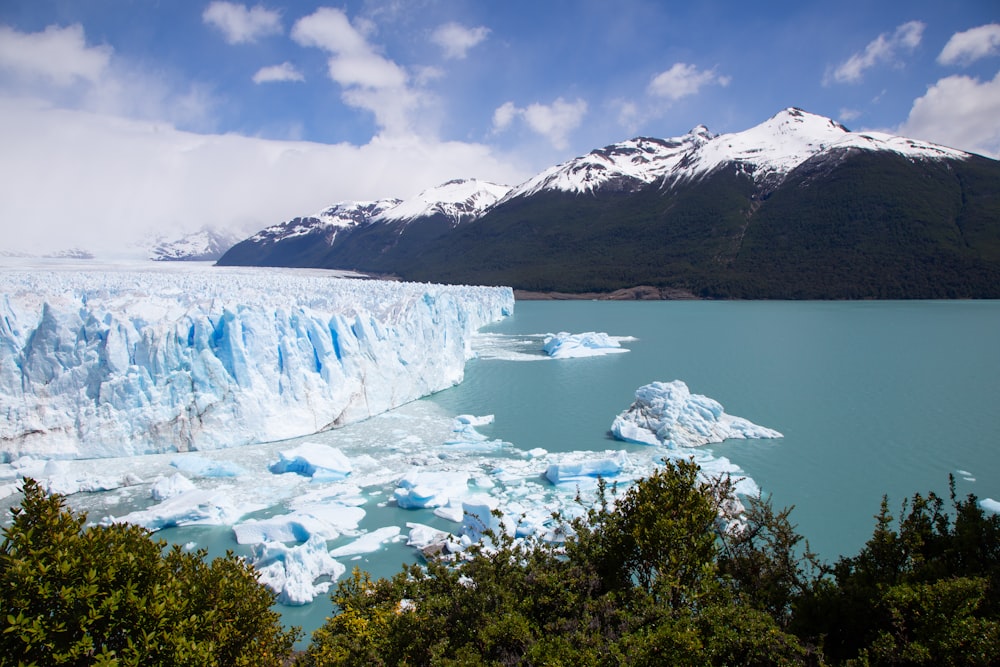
{"x":661,"y":574}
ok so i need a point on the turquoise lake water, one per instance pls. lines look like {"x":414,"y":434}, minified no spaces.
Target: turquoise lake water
{"x":873,"y":398}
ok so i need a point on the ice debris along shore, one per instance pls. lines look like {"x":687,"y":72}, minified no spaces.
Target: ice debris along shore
{"x":668,"y":414}
{"x":444,"y":467}
{"x":118,"y":363}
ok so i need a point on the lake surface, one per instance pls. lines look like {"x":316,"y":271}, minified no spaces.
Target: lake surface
{"x":873,"y":398}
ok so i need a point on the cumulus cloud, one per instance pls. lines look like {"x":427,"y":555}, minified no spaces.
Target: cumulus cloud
{"x":57,"y":55}
{"x":456,"y":40}
{"x":683,"y":80}
{"x":80,"y":179}
{"x":370,"y":80}
{"x":284,"y":72}
{"x":58,"y":64}
{"x":883,"y":49}
{"x":969,"y":46}
{"x":240,"y":25}
{"x":553,"y":121}
{"x":958,"y":111}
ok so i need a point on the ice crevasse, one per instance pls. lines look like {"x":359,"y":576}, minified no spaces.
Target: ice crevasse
{"x":117,"y":363}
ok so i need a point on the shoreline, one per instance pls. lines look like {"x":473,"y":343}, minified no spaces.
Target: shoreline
{"x":637,"y":293}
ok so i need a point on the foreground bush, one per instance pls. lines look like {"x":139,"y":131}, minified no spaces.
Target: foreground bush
{"x":655,"y":578}
{"x":109,"y":595}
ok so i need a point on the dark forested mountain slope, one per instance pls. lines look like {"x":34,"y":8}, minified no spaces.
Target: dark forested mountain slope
{"x":797,"y":207}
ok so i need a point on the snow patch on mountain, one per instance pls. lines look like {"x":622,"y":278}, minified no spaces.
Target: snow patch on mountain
{"x":201,"y":246}
{"x":329,"y":221}
{"x":458,"y":200}
{"x":766,"y":152}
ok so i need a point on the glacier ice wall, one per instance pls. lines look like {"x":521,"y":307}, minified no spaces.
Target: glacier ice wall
{"x":113,"y":363}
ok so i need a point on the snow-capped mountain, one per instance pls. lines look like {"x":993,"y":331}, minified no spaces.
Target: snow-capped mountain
{"x":627,"y":166}
{"x":349,"y":228}
{"x":202,"y":246}
{"x":458,"y":200}
{"x":795,"y":207}
{"x":327,"y":223}
{"x":766,"y":152}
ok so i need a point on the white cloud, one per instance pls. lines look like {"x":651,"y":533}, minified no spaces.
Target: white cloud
{"x":240,"y":25}
{"x":553,"y":121}
{"x":683,"y":80}
{"x":370,"y":80}
{"x":967,"y":47}
{"x":284,"y":72}
{"x":883,"y":49}
{"x":456,"y":39}
{"x":95,"y":181}
{"x":57,"y":64}
{"x":846,"y":115}
{"x":504,"y":116}
{"x":958,"y":111}
{"x":56,"y":55}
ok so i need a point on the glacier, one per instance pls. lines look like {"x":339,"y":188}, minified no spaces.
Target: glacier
{"x":126,"y":362}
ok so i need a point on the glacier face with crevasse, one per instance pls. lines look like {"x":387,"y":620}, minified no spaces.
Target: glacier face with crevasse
{"x":118,"y":363}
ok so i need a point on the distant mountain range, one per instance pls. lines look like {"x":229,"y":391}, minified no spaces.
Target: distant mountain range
{"x":796,"y":207}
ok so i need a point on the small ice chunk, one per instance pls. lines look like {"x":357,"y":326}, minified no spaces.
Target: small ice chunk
{"x":668,"y":414}
{"x":314,"y":460}
{"x":420,"y":489}
{"x":199,"y":466}
{"x":575,"y":471}
{"x":367,"y":543}
{"x":473,"y":420}
{"x":168,"y":487}
{"x":190,"y":508}
{"x":565,"y":345}
{"x":422,"y":536}
{"x":61,"y":477}
{"x":292,"y":572}
{"x":327,"y":521}
{"x":451,"y":512}
{"x":478,"y":516}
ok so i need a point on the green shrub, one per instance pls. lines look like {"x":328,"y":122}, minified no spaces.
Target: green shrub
{"x":110,"y":595}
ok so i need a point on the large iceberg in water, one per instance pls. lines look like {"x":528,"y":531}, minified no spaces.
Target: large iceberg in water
{"x":668,"y":414}
{"x":124,"y":362}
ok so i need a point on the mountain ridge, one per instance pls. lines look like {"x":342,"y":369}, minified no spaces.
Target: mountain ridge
{"x":795,"y":207}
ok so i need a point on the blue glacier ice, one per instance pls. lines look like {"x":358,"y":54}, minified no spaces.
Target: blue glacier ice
{"x":124,"y":362}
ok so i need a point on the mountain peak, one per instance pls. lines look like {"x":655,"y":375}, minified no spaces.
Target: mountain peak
{"x":458,"y":199}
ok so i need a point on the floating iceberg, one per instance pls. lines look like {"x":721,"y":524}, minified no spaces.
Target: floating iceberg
{"x":565,"y":345}
{"x":990,"y":505}
{"x":576,"y":471}
{"x":199,"y":466}
{"x":668,"y":414}
{"x":168,"y":487}
{"x":367,"y":543}
{"x":421,"y":488}
{"x":327,"y":521}
{"x":190,"y":508}
{"x":321,"y":462}
{"x":292,"y":571}
{"x":120,"y":362}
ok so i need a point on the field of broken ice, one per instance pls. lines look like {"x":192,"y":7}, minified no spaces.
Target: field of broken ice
{"x":160,"y":399}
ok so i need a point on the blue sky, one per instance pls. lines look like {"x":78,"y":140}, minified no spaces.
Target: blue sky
{"x":124,"y":117}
